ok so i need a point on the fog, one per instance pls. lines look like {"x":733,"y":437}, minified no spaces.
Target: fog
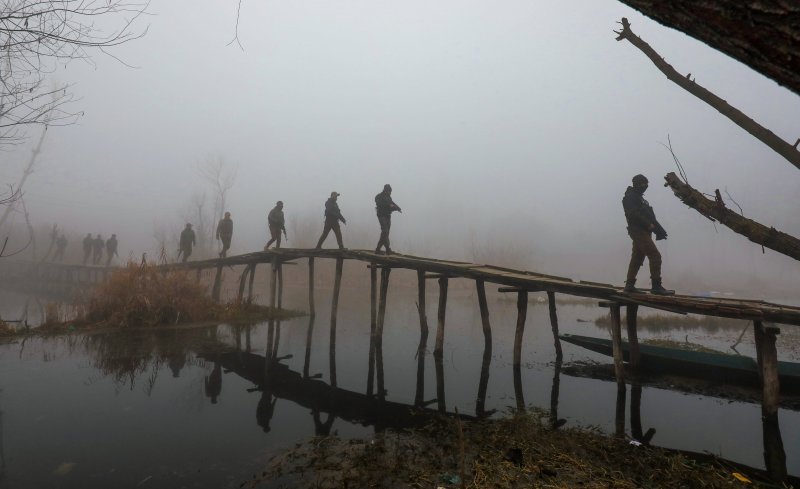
{"x":509,"y":132}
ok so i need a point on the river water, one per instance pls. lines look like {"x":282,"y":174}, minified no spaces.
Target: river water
{"x":180,"y":408}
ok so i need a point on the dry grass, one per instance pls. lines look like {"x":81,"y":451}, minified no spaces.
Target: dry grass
{"x":515,"y":452}
{"x":671,"y":322}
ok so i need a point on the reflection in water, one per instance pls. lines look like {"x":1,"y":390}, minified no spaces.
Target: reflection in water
{"x":554,"y":393}
{"x":440,"y":401}
{"x":518,"y":389}
{"x":774,"y":455}
{"x":636,"y":416}
{"x":309,"y":336}
{"x":213,"y":383}
{"x":483,"y":383}
{"x":619,"y":415}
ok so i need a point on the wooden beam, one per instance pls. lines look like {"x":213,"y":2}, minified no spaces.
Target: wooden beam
{"x":337,"y":284}
{"x":522,"y":313}
{"x":439,"y":348}
{"x":551,"y":304}
{"x":384,"y":290}
{"x":373,"y":327}
{"x":634,"y":356}
{"x":616,"y":341}
{"x":508,"y":290}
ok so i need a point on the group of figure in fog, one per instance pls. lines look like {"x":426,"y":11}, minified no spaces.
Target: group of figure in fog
{"x":641,"y":220}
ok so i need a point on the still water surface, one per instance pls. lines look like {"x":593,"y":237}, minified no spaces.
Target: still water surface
{"x":175,"y":408}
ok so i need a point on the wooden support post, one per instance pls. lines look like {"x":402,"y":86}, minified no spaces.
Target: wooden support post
{"x":337,"y":284}
{"x":554,"y":394}
{"x":273,"y":282}
{"x":487,"y":327}
{"x":774,"y":453}
{"x":551,"y":303}
{"x":423,"y":319}
{"x":522,"y":313}
{"x":619,"y":418}
{"x":440,"y":400}
{"x":311,"y":311}
{"x":379,"y":331}
{"x":768,"y":365}
{"x":616,"y":341}
{"x":215,"y":289}
{"x":439,"y":348}
{"x":280,"y":288}
{"x":483,"y":382}
{"x":250,"y":283}
{"x":309,"y":336}
{"x":242,"y":282}
{"x":634,"y":357}
{"x":373,"y":326}
{"x":518,"y":393}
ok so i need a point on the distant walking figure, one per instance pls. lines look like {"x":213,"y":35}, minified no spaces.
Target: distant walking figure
{"x":187,"y":241}
{"x":276,"y":223}
{"x":61,"y":246}
{"x":332,"y":217}
{"x":384,"y":206}
{"x":642,"y":224}
{"x":225,"y":233}
{"x":98,"y":244}
{"x":88,"y":244}
{"x":111,"y":249}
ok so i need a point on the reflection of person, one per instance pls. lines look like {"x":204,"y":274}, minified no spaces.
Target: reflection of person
{"x":225,"y":233}
{"x":277,"y":223}
{"x":176,"y":362}
{"x":642,"y":224}
{"x":265,"y":409}
{"x":332,"y":217}
{"x":384,"y":205}
{"x":213,"y":383}
{"x":187,"y":241}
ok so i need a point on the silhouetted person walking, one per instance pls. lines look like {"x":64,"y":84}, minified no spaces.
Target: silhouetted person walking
{"x":332,"y":217}
{"x":111,"y":249}
{"x":384,"y":206}
{"x":88,"y":244}
{"x":276,"y":223}
{"x":225,"y":233}
{"x":642,"y":224}
{"x":186,"y":243}
{"x":61,"y":246}
{"x":97,"y":247}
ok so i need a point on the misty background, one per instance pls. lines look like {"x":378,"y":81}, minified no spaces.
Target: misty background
{"x":508,"y":131}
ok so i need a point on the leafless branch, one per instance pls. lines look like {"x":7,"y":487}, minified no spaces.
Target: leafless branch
{"x":677,"y":161}
{"x":236,"y":30}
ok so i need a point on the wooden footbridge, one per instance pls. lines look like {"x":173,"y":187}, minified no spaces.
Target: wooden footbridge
{"x":763,"y":314}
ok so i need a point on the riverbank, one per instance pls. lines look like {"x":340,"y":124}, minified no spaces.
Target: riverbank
{"x":518,"y":451}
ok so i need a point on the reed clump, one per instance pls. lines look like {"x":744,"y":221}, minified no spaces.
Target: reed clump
{"x":142,"y":295}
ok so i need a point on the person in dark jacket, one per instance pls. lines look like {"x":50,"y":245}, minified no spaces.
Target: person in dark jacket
{"x":88,"y":244}
{"x":61,"y":246}
{"x":187,"y":241}
{"x":111,"y":249}
{"x":642,"y":223}
{"x":276,"y":223}
{"x":225,"y":233}
{"x":332,"y":217}
{"x":384,"y":206}
{"x":97,"y":245}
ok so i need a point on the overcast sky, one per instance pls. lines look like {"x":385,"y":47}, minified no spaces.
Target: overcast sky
{"x":505,"y":128}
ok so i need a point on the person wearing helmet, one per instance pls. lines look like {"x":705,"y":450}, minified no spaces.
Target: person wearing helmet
{"x":642,"y":223}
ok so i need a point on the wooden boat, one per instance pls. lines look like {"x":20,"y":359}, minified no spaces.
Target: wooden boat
{"x":734,"y":369}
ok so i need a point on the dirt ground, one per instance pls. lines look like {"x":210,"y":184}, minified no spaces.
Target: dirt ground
{"x":522,"y":450}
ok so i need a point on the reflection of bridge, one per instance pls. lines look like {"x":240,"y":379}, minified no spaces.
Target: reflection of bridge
{"x":517,"y":281}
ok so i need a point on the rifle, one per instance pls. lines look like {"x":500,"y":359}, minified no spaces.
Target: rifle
{"x":658,"y":229}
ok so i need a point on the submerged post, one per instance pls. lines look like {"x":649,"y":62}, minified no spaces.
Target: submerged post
{"x":522,"y":313}
{"x":215,"y":289}
{"x":273,"y":282}
{"x":438,"y":350}
{"x":423,"y":319}
{"x":311,"y":311}
{"x":616,"y":341}
{"x":551,"y":303}
{"x":487,"y":327}
{"x":768,"y":366}
{"x":633,"y":336}
{"x":373,"y":326}
{"x":337,"y":283}
{"x":242,"y":282}
{"x":250,"y":283}
{"x":379,"y":329}
{"x":440,"y":400}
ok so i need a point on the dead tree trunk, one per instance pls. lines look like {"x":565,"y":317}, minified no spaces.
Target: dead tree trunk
{"x":715,"y":210}
{"x":761,"y":133}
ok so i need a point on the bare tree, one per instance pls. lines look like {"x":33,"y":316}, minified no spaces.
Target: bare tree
{"x":36,"y":36}
{"x":220,"y":177}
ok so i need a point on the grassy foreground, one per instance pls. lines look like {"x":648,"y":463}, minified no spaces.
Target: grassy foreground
{"x":516,"y":452}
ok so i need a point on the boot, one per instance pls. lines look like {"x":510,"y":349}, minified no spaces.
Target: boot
{"x":658,"y":289}
{"x":631,"y":289}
